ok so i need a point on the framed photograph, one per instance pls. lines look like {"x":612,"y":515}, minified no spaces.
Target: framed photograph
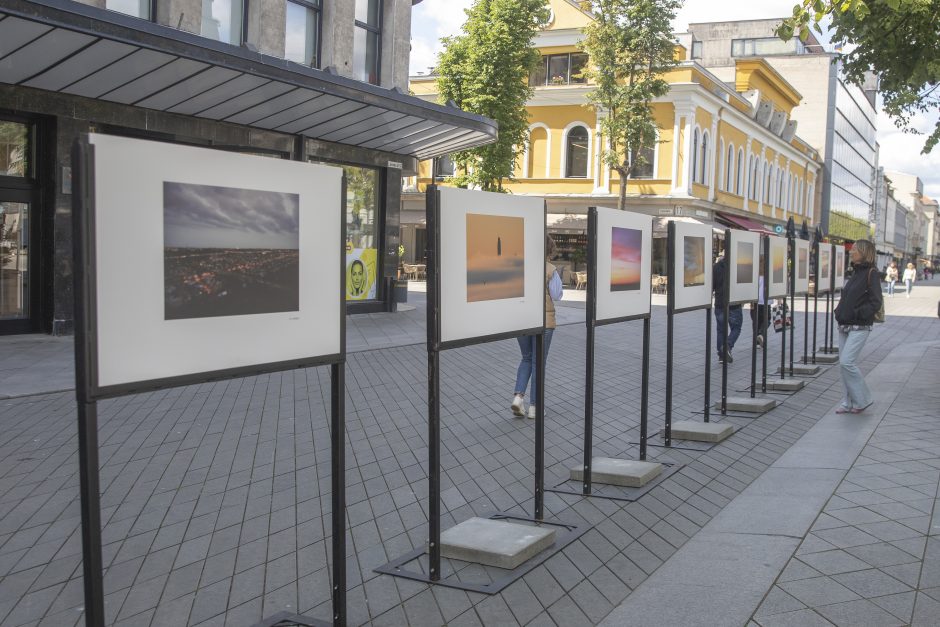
{"x":691,"y":271}
{"x":492,"y":268}
{"x":209,"y":261}
{"x":824,"y":268}
{"x":838,"y":262}
{"x":777,"y":281}
{"x":802,"y":266}
{"x":624,"y":263}
{"x":743,"y":250}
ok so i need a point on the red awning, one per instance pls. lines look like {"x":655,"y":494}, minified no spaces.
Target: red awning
{"x":744,"y":223}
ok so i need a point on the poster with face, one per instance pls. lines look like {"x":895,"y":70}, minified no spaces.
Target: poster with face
{"x":838,"y":267}
{"x":492,"y":267}
{"x":802,"y":266}
{"x":360,"y":273}
{"x":777,"y":279}
{"x":743,"y":249}
{"x":198,"y":249}
{"x":824,"y":268}
{"x":624,"y":262}
{"x":691,"y":275}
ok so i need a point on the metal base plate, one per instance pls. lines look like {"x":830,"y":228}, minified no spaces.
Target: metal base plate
{"x":286,"y":619}
{"x":803,"y":370}
{"x":823,"y":358}
{"x":476,"y":577}
{"x":613,"y":492}
{"x":686,"y":445}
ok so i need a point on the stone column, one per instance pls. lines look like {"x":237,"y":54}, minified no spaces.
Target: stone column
{"x":675,"y":151}
{"x":713,"y":159}
{"x":746,"y":168}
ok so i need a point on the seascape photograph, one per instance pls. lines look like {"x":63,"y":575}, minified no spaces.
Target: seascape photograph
{"x":495,"y":257}
{"x":694,"y":261}
{"x":626,"y":252}
{"x":745,"y":263}
{"x":778,"y":260}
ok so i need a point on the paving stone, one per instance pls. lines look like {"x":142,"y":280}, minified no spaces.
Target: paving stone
{"x":833,"y":562}
{"x":818,"y":591}
{"x":860,"y":612}
{"x":777,"y":602}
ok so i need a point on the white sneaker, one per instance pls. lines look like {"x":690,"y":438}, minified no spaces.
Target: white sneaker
{"x":518,"y":405}
{"x":531,"y":412}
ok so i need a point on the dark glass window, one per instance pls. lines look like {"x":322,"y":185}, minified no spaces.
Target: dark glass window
{"x":14,"y":149}
{"x":577,"y":153}
{"x":644,"y":168}
{"x":559,"y":69}
{"x":137,"y":8}
{"x":443,"y":167}
{"x":302,"y":32}
{"x":367,"y":41}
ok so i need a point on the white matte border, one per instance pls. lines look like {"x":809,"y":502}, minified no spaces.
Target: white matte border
{"x":778,"y":246}
{"x":802,"y":283}
{"x":612,"y":305}
{"x":699,"y":295}
{"x":135,"y":343}
{"x":461,"y":320}
{"x":824,"y":282}
{"x":838,"y":265}
{"x":743,"y":292}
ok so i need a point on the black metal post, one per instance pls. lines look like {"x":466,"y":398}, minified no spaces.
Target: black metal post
{"x":763,"y":314}
{"x":754,"y":327}
{"x":645,"y":389}
{"x":708,"y":362}
{"x":670,"y":313}
{"x":806,"y":328}
{"x":791,"y":251}
{"x":724,"y":328}
{"x":590,"y":320}
{"x":338,"y":480}
{"x":826,"y":326}
{"x":91,"y":512}
{"x":831,"y":315}
{"x":540,"y":425}
{"x":434,"y":384}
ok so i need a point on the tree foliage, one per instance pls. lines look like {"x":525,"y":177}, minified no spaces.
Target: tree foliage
{"x":899,"y":40}
{"x":485,"y":70}
{"x":630,"y":47}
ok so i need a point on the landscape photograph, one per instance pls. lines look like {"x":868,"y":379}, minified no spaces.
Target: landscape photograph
{"x":801,"y":263}
{"x":824,"y":264}
{"x":229,"y":251}
{"x":495,"y":257}
{"x":778,"y":260}
{"x":694,"y":261}
{"x":745,"y":262}
{"x":626,"y":252}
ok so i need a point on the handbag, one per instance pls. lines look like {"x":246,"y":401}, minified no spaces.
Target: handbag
{"x":880,"y":314}
{"x":780,"y":315}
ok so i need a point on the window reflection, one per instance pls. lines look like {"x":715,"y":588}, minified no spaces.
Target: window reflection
{"x":222,"y":20}
{"x":137,"y":8}
{"x":14,"y":149}
{"x":302,"y":33}
{"x":367,"y":41}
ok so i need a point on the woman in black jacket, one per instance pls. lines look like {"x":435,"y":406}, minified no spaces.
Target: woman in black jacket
{"x":861,"y":300}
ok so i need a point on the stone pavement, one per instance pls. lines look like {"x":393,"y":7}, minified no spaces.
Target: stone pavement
{"x":216,"y":497}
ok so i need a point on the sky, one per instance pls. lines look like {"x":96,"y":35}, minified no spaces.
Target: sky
{"x":433,"y":19}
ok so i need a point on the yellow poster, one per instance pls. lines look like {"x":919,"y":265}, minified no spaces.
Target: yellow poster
{"x":360,"y":273}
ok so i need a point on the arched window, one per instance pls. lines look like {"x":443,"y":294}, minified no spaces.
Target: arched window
{"x":738,"y":173}
{"x":722,"y":167}
{"x":729,"y":170}
{"x":694,"y":155}
{"x":537,"y":158}
{"x":703,"y":176}
{"x":750,"y":177}
{"x":768,"y":182}
{"x":646,"y":168}
{"x":780,"y":188}
{"x":576,"y":152}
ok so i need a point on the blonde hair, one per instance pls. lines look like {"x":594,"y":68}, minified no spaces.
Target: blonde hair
{"x":910,"y":265}
{"x":866,"y":251}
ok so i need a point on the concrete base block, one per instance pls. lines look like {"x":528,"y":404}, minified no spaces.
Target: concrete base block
{"x":495,"y":542}
{"x":622,"y":472}
{"x":830,"y":350}
{"x":785,"y":385}
{"x":701,"y":431}
{"x":804,"y":369}
{"x":823,"y":358}
{"x":746,"y":403}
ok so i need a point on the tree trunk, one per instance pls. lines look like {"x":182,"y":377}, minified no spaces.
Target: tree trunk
{"x":624,"y":174}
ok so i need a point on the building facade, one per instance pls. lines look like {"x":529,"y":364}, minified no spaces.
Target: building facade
{"x":727,"y":153}
{"x":308,"y":80}
{"x":836,"y":118}
{"x":923,"y":225}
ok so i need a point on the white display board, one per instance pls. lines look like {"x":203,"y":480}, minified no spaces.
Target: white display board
{"x":838,"y":262}
{"x":824,"y":268}
{"x":777,"y":270}
{"x":801,"y":266}
{"x":209,"y":260}
{"x":692,"y":266}
{"x":742,"y":249}
{"x":624,"y":262}
{"x":492,"y":263}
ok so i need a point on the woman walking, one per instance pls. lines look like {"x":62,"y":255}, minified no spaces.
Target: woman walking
{"x":526,"y":368}
{"x":861,"y":300}
{"x":910,"y":275}
{"x":891,"y":276}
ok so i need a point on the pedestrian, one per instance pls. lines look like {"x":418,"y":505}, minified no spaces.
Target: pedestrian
{"x":526,"y":368}
{"x":735,"y":315}
{"x":891,"y":276}
{"x":861,"y":300}
{"x":927,"y":273}
{"x":910,"y":275}
{"x":759,"y":310}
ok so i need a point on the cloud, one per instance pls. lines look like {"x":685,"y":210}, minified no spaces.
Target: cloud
{"x":901,"y":151}
{"x":430,"y":21}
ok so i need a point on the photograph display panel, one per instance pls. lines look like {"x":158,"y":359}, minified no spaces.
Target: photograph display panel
{"x":838,"y":262}
{"x":777,"y":283}
{"x":209,"y":260}
{"x":624,"y":263}
{"x":492,"y":268}
{"x":692,"y":265}
{"x":802,"y":266}
{"x":743,"y":255}
{"x":824,"y":269}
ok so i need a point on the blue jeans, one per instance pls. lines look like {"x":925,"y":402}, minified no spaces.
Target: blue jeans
{"x":910,"y":286}
{"x":527,"y":365}
{"x":857,"y":395}
{"x":891,"y":288}
{"x":735,"y":319}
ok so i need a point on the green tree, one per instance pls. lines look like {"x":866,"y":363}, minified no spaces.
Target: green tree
{"x":899,"y":40}
{"x":630,"y":47}
{"x":485,"y":70}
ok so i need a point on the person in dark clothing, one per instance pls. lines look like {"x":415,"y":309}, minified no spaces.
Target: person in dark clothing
{"x":735,"y":315}
{"x":861,"y":300}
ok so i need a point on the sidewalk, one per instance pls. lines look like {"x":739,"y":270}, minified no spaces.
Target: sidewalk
{"x":216,"y":496}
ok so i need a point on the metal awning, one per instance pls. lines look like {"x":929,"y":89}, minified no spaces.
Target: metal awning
{"x":740,"y":222}
{"x":661,"y":225}
{"x":70,"y":48}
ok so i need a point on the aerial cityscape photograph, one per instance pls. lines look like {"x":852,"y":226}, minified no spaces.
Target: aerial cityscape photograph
{"x":432,"y":313}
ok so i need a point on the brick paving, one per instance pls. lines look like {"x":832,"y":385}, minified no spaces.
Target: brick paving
{"x":216,"y":497}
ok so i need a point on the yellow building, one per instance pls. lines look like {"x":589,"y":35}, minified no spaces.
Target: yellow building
{"x":726,"y":154}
